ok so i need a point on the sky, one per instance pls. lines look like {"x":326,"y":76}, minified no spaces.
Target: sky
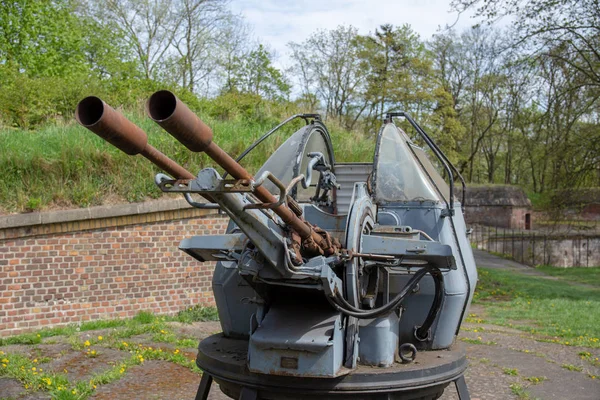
{"x":276,"y":23}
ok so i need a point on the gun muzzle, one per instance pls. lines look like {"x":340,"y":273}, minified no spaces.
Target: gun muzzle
{"x":112,"y":126}
{"x":177,"y":119}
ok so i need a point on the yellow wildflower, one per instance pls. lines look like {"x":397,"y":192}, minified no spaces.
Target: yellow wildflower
{"x":86,"y":343}
{"x":100,"y":338}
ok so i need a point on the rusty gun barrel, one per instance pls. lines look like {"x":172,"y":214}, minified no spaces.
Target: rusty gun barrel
{"x":177,"y":119}
{"x":112,"y":126}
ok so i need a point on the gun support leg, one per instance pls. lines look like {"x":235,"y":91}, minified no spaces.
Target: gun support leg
{"x":204,"y":388}
{"x":248,"y":394}
{"x":461,"y":388}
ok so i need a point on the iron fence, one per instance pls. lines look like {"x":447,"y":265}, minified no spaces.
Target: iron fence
{"x":538,"y":248}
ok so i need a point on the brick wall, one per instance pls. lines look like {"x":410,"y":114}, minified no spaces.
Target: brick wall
{"x":99,"y":268}
{"x":500,"y":216}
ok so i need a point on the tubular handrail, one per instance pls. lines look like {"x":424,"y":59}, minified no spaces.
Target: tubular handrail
{"x":305,"y":117}
{"x":448,"y":166}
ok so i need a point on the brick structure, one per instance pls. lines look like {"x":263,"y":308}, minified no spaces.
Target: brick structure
{"x":503,"y":206}
{"x":101,"y":263}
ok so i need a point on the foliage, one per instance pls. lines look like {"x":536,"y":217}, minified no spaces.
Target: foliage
{"x":254,"y":73}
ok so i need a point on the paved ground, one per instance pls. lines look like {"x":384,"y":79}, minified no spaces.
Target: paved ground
{"x":504,"y":363}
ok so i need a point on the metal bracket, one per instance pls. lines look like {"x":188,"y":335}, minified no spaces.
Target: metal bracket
{"x":194,"y":186}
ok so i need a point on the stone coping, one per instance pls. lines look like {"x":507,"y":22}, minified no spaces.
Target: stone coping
{"x":90,"y":213}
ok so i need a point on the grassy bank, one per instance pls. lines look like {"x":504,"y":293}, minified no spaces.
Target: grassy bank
{"x":565,"y":313}
{"x":67,"y":166}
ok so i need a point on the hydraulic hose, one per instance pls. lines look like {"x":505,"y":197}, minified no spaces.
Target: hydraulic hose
{"x":342,"y":305}
{"x":423,"y":331}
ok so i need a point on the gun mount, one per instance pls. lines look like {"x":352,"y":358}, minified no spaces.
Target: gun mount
{"x":329,"y":287}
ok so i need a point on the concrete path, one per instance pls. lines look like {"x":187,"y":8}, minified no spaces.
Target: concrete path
{"x":487,"y":260}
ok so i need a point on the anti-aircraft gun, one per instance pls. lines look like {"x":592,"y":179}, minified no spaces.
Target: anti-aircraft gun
{"x":332,"y":281}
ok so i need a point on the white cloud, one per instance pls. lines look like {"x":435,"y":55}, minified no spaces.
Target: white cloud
{"x":276,"y":23}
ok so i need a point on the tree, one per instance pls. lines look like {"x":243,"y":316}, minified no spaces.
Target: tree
{"x":397,"y":71}
{"x":254,"y":73}
{"x":328,"y":65}
{"x":543,"y":26}
{"x":41,"y":38}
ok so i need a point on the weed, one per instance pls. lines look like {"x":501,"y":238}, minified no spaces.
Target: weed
{"x":478,"y":341}
{"x":519,"y":391}
{"x":197,"y":313}
{"x":535,"y":379}
{"x":586,"y":355}
{"x":510,"y":371}
{"x":572,"y":367}
{"x":144,"y":317}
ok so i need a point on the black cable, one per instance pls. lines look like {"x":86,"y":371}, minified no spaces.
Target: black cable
{"x":348,"y":309}
{"x":423,"y":330}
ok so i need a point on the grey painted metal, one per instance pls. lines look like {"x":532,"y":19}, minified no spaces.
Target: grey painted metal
{"x":412,"y":251}
{"x":425,"y":380}
{"x":428,"y":218}
{"x":298,"y":340}
{"x":361,"y":218}
{"x":213,"y":247}
{"x":347,"y":175}
{"x":379,"y":341}
{"x":461,"y":388}
{"x":261,"y":230}
{"x":291,"y":158}
{"x":287,"y":314}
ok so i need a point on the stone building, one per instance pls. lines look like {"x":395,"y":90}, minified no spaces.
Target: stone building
{"x":497,"y":205}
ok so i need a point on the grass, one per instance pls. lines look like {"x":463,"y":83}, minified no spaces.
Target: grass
{"x":589,"y":276}
{"x":113,"y":335}
{"x":36,"y":337}
{"x":82,"y":170}
{"x":561,"y":312}
{"x":196,"y":313}
{"x":138,"y":325}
